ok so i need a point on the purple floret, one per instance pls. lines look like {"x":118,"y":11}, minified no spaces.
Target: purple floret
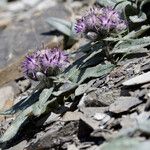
{"x":100,"y":20}
{"x":31,"y":66}
{"x":53,"y":60}
{"x":47,"y":61}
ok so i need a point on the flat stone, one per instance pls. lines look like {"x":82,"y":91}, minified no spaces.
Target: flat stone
{"x":72,"y":116}
{"x":123,"y":104}
{"x":99,"y":116}
{"x":90,"y":122}
{"x":141,"y":79}
{"x":30,"y":3}
{"x":32,"y":32}
{"x":72,"y":147}
{"x":20,"y":146}
{"x":90,"y":111}
{"x":6,"y":97}
{"x":46,"y":4}
{"x":16,"y":6}
{"x":24,"y":85}
{"x":55,"y":136}
{"x":4,"y":23}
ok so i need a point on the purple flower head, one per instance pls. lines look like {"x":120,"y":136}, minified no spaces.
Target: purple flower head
{"x":31,"y":66}
{"x":44,"y":63}
{"x":100,"y":20}
{"x":80,"y":26}
{"x":53,"y":61}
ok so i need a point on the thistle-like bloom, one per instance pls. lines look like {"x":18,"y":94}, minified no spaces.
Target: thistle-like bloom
{"x":31,"y":66}
{"x":47,"y":62}
{"x":53,"y":61}
{"x":102,"y":21}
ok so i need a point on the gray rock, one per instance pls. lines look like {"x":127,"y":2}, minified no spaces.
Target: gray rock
{"x":24,"y":85}
{"x":19,"y":146}
{"x":16,"y":6}
{"x":90,"y":122}
{"x":72,"y":147}
{"x":46,"y":4}
{"x":141,"y":79}
{"x":6,"y":94}
{"x":90,"y":111}
{"x":72,"y":116}
{"x":30,"y":3}
{"x":32,"y":32}
{"x":123,"y":104}
{"x":99,"y":116}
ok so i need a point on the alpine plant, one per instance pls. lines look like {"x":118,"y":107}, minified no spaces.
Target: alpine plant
{"x":48,"y":62}
{"x":101,"y":22}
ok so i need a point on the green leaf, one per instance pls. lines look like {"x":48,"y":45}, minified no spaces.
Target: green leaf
{"x":93,"y":72}
{"x":120,"y":4}
{"x":40,"y":107}
{"x":135,"y":34}
{"x":84,"y":88}
{"x":36,"y":109}
{"x":61,"y":25}
{"x":138,"y":18}
{"x":14,"y":127}
{"x":131,"y":45}
{"x":25,"y":103}
{"x":65,"y":88}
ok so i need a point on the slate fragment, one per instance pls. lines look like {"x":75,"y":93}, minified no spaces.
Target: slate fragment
{"x":123,"y":104}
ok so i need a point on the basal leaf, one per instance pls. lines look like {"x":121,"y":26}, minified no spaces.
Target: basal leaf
{"x":120,"y":4}
{"x":61,"y":25}
{"x":93,"y":72}
{"x":40,"y":106}
{"x":135,"y":34}
{"x":131,"y":45}
{"x":14,"y":127}
{"x":36,"y":109}
{"x":65,"y":88}
{"x":25,"y":103}
{"x":138,"y":18}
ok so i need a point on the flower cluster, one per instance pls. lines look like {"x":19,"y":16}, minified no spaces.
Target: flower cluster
{"x":102,"y":21}
{"x":47,"y":62}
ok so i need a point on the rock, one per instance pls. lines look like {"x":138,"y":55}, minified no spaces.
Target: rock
{"x":3,"y":4}
{"x":55,"y":136}
{"x":30,"y":3}
{"x":98,"y":98}
{"x":4,"y":23}
{"x":6,"y":97}
{"x":72,"y":147}
{"x":104,"y":121}
{"x":33,"y":31}
{"x":143,"y":116}
{"x":72,"y":116}
{"x":16,"y":6}
{"x":106,"y":134}
{"x":123,"y":104}
{"x":24,"y":85}
{"x":46,"y":4}
{"x":90,"y":122}
{"x":99,"y":116}
{"x":141,"y":79}
{"x":128,"y":122}
{"x":90,"y":111}
{"x":20,"y":146}
{"x":11,"y":72}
